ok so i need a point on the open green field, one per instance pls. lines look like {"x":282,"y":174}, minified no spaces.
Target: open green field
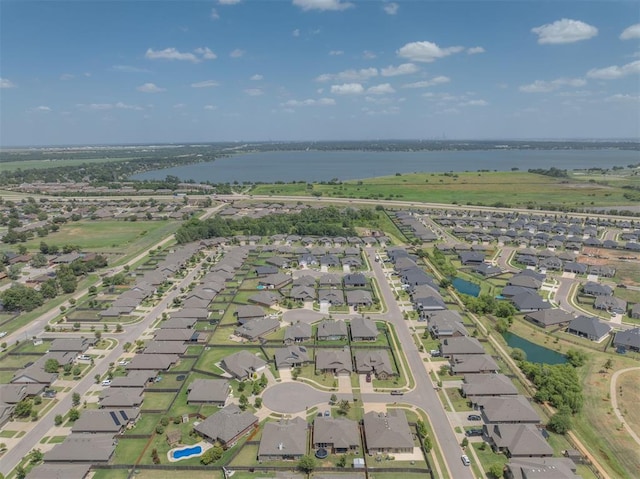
{"x":108,"y":236}
{"x":41,"y":164}
{"x":627,"y":391}
{"x":516,"y":189}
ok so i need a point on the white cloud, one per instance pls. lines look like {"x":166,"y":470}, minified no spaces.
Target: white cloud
{"x":349,"y":75}
{"x":368,"y":55}
{"x":426,"y":51}
{"x":631,"y":32}
{"x":623,"y":98}
{"x":129,"y":69}
{"x":41,"y":109}
{"x":254,"y":91}
{"x":335,"y":53}
{"x":391,"y":8}
{"x":404,"y":69}
{"x":205,"y":84}
{"x":6,"y":83}
{"x":124,"y":106}
{"x":296,"y":32}
{"x":150,"y":88}
{"x":214,"y":14}
{"x":347,"y":89}
{"x":309,"y":102}
{"x":614,"y":72}
{"x":229,"y":2}
{"x":382,"y":89}
{"x":474,"y":103}
{"x":108,"y":106}
{"x":475,"y":50}
{"x":322,"y":5}
{"x":179,"y":106}
{"x":237,"y":53}
{"x":210,"y":107}
{"x":439,"y":80}
{"x":256,"y":77}
{"x":67,"y":76}
{"x":541,"y":86}
{"x":170,"y":54}
{"x":206,"y":53}
{"x":564,"y":31}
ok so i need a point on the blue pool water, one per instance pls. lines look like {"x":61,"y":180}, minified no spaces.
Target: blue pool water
{"x":187,"y":452}
{"x":466,"y":287}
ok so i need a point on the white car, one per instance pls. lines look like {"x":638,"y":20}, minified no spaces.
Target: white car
{"x":3,"y":334}
{"x":465,"y":460}
{"x":106,"y":382}
{"x":124,"y":362}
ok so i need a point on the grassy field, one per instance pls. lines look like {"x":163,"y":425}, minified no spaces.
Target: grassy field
{"x":42,"y":164}
{"x":108,"y":236}
{"x":628,"y":398}
{"x":517,"y":189}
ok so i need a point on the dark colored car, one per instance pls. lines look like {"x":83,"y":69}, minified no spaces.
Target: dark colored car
{"x":474,"y":417}
{"x":473,"y":432}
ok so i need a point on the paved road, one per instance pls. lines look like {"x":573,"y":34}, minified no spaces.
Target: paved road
{"x":295,"y":397}
{"x":503,"y":259}
{"x":131,"y":334}
{"x":423,"y":394}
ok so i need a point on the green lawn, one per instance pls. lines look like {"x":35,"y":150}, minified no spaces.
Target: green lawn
{"x":488,"y":457}
{"x":459,"y":403}
{"x":157,"y":401}
{"x":128,"y":451}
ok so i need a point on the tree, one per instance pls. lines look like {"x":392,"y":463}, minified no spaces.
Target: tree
{"x":307,"y":464}
{"x":76,"y":371}
{"x":74,"y":414}
{"x":23,"y":408}
{"x":344,"y":407}
{"x":20,"y":472}
{"x":576,"y":358}
{"x":560,"y":422}
{"x":608,"y":364}
{"x":58,"y":419}
{"x":35,"y":456}
{"x":51,"y":365}
{"x":465,"y":442}
{"x":98,"y":335}
{"x":119,"y":328}
{"x":39,"y":260}
{"x":258,"y":403}
{"x":342,"y":462}
{"x":244,"y":402}
{"x":421,"y":428}
{"x":496,"y":471}
{"x":212,"y":455}
{"x":518,"y":354}
{"x":75,"y":399}
{"x":333,"y":399}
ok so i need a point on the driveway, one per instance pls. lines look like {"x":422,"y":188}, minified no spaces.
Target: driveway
{"x":293,"y":397}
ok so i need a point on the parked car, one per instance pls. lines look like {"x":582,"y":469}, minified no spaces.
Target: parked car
{"x":368,"y":377}
{"x":396,"y":392}
{"x":473,"y":432}
{"x":327,"y":413}
{"x":3,"y":334}
{"x":474,"y":417}
{"x":106,"y":382}
{"x":465,"y":460}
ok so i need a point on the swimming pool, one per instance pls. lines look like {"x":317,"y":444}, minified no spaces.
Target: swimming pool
{"x":186,"y":452}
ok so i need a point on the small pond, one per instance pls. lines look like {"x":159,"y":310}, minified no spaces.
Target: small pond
{"x":466,"y":287}
{"x":535,"y":353}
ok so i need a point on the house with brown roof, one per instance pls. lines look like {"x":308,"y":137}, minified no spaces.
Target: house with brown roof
{"x":242,"y":365}
{"x":387,"y":432}
{"x":337,"y":435}
{"x":115,"y":397}
{"x":283,"y":440}
{"x":335,"y":361}
{"x":374,"y":361}
{"x":227,"y":425}
{"x":482,"y":385}
{"x":473,"y":364}
{"x":363,"y":329}
{"x":112,"y":421}
{"x":517,"y":440}
{"x":208,"y":391}
{"x":507,"y":409}
{"x":83,"y":448}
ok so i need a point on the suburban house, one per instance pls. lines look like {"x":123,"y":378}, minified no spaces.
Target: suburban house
{"x":113,"y":397}
{"x":611,"y":304}
{"x":354,"y":280}
{"x":507,"y":409}
{"x":528,"y":301}
{"x":473,"y":364}
{"x":331,"y":330}
{"x":34,"y":374}
{"x":460,"y":345}
{"x":334,"y":361}
{"x":334,"y":297}
{"x":106,"y":421}
{"x":227,"y":425}
{"x":165,"y":347}
{"x":60,"y":471}
{"x":83,"y":448}
{"x":303,"y":293}
{"x":257,"y":328}
{"x":363,"y":329}
{"x":242,"y":365}
{"x":266,"y":298}
{"x":336,"y":435}
{"x":76,"y":345}
{"x":134,"y":379}
{"x":387,"y":432}
{"x":180,"y":335}
{"x":628,"y":340}
{"x":549,"y":317}
{"x":589,"y":327}
{"x":374,"y":361}
{"x":426,"y":298}
{"x":446,"y":324}
{"x":155,"y":362}
{"x":358,"y":298}
{"x":549,"y":467}
{"x":248,"y":312}
{"x":635,"y":311}
{"x":525,"y":281}
{"x":593,"y":288}
{"x":283,"y":440}
{"x":291,"y":356}
{"x":178,"y":323}
{"x":482,"y":385}
{"x":208,"y":391}
{"x":275,"y":281}
{"x":297,"y":333}
{"x":517,"y":440}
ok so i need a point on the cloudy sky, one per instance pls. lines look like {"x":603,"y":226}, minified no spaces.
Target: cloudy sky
{"x":240,"y":70}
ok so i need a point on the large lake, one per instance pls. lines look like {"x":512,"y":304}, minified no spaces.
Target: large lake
{"x":287,"y":166}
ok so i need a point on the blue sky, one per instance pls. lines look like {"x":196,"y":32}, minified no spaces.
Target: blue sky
{"x":227,"y":70}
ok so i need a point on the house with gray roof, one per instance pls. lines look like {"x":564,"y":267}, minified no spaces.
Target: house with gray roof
{"x":334,"y":297}
{"x":115,"y":397}
{"x":257,"y":328}
{"x":178,"y":335}
{"x":363,"y":329}
{"x":59,"y":471}
{"x":549,"y":317}
{"x":473,"y":364}
{"x":303,"y":293}
{"x":275,"y":281}
{"x":574,"y":267}
{"x":134,"y":379}
{"x":178,"y":323}
{"x":524,"y":281}
{"x":291,"y":356}
{"x":208,"y":391}
{"x":359,"y":297}
{"x":628,"y":340}
{"x":34,"y":374}
{"x":594,"y":288}
{"x":297,"y":333}
{"x":248,"y":312}
{"x":460,"y":345}
{"x":517,"y":440}
{"x":528,"y":300}
{"x":611,"y":304}
{"x":83,"y":448}
{"x":507,"y":409}
{"x":445,"y":324}
{"x":354,"y":280}
{"x":388,"y":432}
{"x":153,"y":362}
{"x":113,"y":421}
{"x":471,"y":257}
{"x":227,"y":425}
{"x":190,"y":313}
{"x":305,"y":280}
{"x":336,"y":435}
{"x":165,"y":347}
{"x":482,"y":385}
{"x":602,"y":270}
{"x":335,"y":361}
{"x":283,"y":440}
{"x":331,"y":330}
{"x":266,"y":298}
{"x":76,"y":345}
{"x":376,"y":361}
{"x":243,"y":364}
{"x":540,"y":468}
{"x":589,"y":327}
